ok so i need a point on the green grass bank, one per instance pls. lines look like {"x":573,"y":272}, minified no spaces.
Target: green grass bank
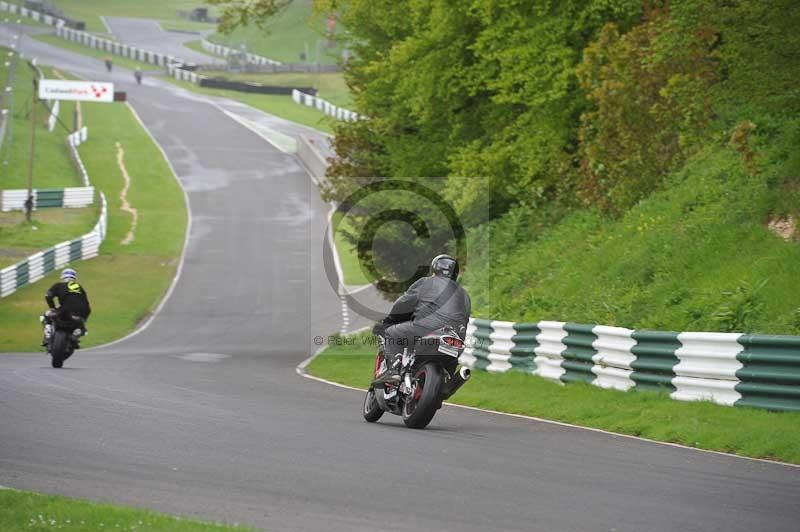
{"x":138,"y":273}
{"x":23,"y":510}
{"x":742,"y":431}
{"x":297,"y":29}
{"x":90,"y":11}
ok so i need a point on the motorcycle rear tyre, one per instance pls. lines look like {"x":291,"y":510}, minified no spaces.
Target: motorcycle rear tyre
{"x":428,"y":402}
{"x":58,"y":348}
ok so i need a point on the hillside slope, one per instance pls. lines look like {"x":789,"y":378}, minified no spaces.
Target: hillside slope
{"x":696,"y":255}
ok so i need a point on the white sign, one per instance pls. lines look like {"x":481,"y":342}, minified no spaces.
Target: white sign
{"x":85,"y":91}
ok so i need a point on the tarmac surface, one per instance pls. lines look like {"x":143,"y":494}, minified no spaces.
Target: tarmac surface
{"x":202,"y":414}
{"x":149,"y":35}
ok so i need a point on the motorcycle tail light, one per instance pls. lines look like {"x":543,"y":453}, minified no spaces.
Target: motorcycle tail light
{"x":453,"y":342}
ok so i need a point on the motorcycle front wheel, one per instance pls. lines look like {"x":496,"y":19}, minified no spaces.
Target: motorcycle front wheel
{"x":419,"y":409}
{"x":372,"y":410}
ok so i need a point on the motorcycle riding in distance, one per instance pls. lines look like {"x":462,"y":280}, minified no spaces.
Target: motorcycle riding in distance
{"x":419,"y":343}
{"x":64,"y":326}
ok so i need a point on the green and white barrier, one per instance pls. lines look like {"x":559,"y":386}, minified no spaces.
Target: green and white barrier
{"x":116,"y":48}
{"x":340,"y":113}
{"x":726,"y":368}
{"x":31,"y":14}
{"x":40,"y":264}
{"x":225,"y":51}
{"x":184,"y":75}
{"x":73,"y":197}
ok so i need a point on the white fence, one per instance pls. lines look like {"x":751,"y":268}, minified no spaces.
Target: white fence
{"x":30,"y":13}
{"x":325,"y":106}
{"x":724,"y":368}
{"x":225,"y":51}
{"x":36,"y":266}
{"x":116,"y":48}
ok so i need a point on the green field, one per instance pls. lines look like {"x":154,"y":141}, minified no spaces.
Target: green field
{"x":743,"y":431}
{"x":20,"y":238}
{"x":348,"y":257}
{"x":690,"y":257}
{"x":125,"y":282}
{"x":90,"y":11}
{"x":297,"y":29}
{"x":23,"y":510}
{"x":52,"y":167}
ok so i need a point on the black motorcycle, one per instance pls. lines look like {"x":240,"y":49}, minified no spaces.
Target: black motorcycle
{"x":429,"y":374}
{"x":64,"y":337}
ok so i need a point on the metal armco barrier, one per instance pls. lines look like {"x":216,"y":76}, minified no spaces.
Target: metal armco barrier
{"x":40,"y":264}
{"x":340,"y":113}
{"x":726,"y":368}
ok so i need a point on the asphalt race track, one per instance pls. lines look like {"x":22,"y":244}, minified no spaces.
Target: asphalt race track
{"x":202,"y":414}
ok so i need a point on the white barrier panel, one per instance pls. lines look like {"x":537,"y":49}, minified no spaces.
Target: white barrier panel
{"x":614,"y":357}
{"x":548,"y":353}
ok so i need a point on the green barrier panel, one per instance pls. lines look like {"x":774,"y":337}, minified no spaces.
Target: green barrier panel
{"x":770,"y":377}
{"x":655,"y":360}
{"x":578,"y":354}
{"x":483,"y":328}
{"x":49,"y":260}
{"x":522,"y":353}
{"x":53,"y":197}
{"x":22,"y":274}
{"x":75,"y":248}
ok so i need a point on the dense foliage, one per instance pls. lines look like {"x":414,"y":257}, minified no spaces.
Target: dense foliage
{"x":557,"y":129}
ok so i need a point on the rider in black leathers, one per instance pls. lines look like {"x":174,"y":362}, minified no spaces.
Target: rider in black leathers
{"x":72,"y":301}
{"x":429,"y":304}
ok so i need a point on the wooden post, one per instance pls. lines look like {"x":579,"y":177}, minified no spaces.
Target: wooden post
{"x":35,"y":100}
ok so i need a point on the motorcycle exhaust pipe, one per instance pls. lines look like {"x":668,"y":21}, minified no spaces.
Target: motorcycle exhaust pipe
{"x":458,"y":381}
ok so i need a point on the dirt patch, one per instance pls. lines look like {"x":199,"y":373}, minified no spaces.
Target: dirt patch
{"x":784,"y":226}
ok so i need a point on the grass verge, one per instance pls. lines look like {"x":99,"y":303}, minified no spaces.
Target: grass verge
{"x":52,"y":166}
{"x":23,"y":510}
{"x":20,"y":238}
{"x":125,"y":282}
{"x":743,"y":431}
{"x":197,"y":47}
{"x":297,"y":29}
{"x":348,"y":257}
{"x":90,"y":11}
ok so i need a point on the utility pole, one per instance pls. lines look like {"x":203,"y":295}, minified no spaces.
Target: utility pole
{"x":35,"y":101}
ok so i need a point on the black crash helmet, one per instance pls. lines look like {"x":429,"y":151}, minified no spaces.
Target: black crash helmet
{"x":445,"y":265}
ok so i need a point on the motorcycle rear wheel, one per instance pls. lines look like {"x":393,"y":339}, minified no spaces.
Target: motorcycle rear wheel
{"x":419,"y":409}
{"x":58,"y":348}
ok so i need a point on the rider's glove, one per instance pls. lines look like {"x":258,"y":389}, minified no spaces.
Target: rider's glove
{"x":379,"y":329}
{"x":50,"y":313}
